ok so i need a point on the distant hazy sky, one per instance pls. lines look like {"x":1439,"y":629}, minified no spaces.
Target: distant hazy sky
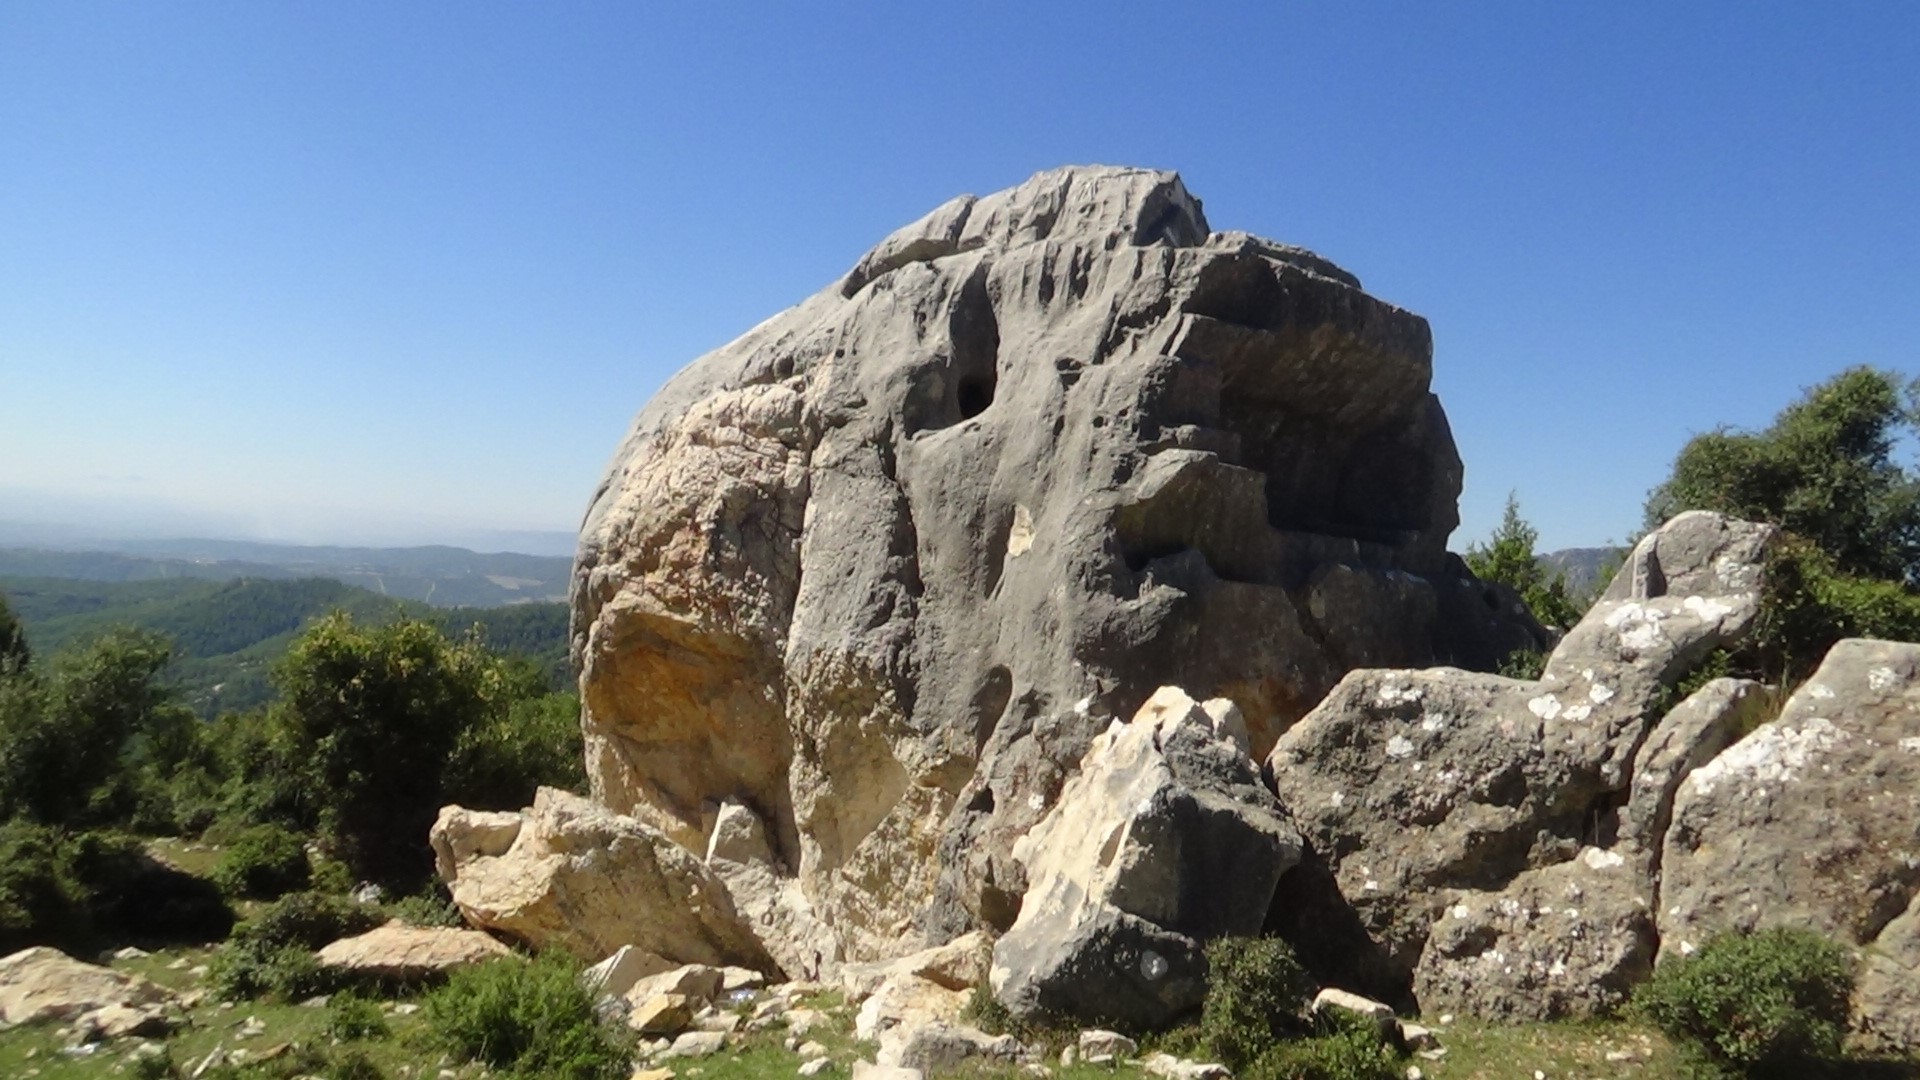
{"x":392,"y":272}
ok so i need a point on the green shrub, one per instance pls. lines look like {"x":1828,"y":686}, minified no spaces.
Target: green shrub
{"x":529,"y":1019}
{"x":75,"y":890}
{"x":243,"y":970}
{"x":309,"y":920}
{"x":1257,"y":994}
{"x":264,"y":862}
{"x":352,"y":1064}
{"x":350,"y":1016}
{"x":430,"y":908}
{"x":1347,"y":1047}
{"x":1774,"y":1000}
{"x":154,"y":1064}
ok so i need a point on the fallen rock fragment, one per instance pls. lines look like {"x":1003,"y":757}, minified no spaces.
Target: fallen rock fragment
{"x":1164,"y":839}
{"x":44,"y":985}
{"x":409,"y":953}
{"x":1810,"y":821}
{"x":618,"y":972}
{"x":574,"y":875}
{"x":939,"y":1046}
{"x":661,"y":1014}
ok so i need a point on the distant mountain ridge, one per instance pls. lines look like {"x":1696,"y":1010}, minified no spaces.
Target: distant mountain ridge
{"x":437,"y":575}
{"x":1585,"y":567}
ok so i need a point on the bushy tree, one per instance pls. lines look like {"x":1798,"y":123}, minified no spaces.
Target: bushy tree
{"x":379,"y":726}
{"x":14,"y":654}
{"x":1824,"y":472}
{"x":1508,"y":557}
{"x":66,"y":739}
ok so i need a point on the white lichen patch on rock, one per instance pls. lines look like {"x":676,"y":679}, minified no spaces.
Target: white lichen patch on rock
{"x":1392,"y":695}
{"x":1638,"y":626}
{"x":1775,"y":753}
{"x":1707,"y":608}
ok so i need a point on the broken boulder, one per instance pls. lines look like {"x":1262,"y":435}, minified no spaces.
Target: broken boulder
{"x":44,"y":985}
{"x":578,"y":876}
{"x":1164,"y":839}
{"x":408,"y":953}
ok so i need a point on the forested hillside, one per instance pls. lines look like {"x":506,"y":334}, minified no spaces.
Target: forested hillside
{"x":228,"y":634}
{"x":441,"y":576}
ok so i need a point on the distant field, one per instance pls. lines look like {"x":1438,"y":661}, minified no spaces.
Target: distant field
{"x":230,"y":632}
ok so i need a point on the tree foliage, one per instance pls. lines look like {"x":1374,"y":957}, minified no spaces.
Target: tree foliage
{"x":14,"y":654}
{"x":1824,"y":472}
{"x":1508,"y":557}
{"x":379,"y":726}
{"x":69,"y":740}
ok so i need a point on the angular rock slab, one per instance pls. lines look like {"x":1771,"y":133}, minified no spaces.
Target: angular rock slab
{"x":1813,"y":820}
{"x":577,"y":876}
{"x":1427,"y":793}
{"x":1164,"y":839}
{"x":399,"y":951}
{"x":44,"y":985}
{"x":883,"y":567}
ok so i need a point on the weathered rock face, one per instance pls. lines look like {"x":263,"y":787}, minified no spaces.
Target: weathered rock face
{"x":1164,"y":839}
{"x":1496,"y":839}
{"x":572,"y":874}
{"x":882,"y":568}
{"x":1813,"y":820}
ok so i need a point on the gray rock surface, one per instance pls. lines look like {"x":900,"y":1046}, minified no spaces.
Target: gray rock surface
{"x":883,"y":567}
{"x":1165,"y":838}
{"x":1473,"y":824}
{"x":1813,"y":820}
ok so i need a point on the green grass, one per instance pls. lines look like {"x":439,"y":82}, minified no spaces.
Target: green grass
{"x":1475,"y":1051}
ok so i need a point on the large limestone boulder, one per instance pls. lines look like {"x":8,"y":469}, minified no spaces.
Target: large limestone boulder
{"x":1491,"y":844}
{"x":44,"y":985}
{"x":1813,"y":820}
{"x":1165,"y":838}
{"x":881,"y":569}
{"x":575,"y":875}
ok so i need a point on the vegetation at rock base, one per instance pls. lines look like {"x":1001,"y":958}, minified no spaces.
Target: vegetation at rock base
{"x":1344,"y":1047}
{"x":531,"y":1020}
{"x":1256,"y":1020}
{"x":1824,"y":471}
{"x":1772,"y":1003}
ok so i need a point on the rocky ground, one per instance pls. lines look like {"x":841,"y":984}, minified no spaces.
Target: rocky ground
{"x":264,"y":1039}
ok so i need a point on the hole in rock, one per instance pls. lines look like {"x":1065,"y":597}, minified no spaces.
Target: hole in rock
{"x":975,"y":396}
{"x":1600,"y":821}
{"x":958,"y":382}
{"x":989,"y":705}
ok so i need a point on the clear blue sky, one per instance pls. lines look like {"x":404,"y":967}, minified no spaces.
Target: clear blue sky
{"x":396,"y":272}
